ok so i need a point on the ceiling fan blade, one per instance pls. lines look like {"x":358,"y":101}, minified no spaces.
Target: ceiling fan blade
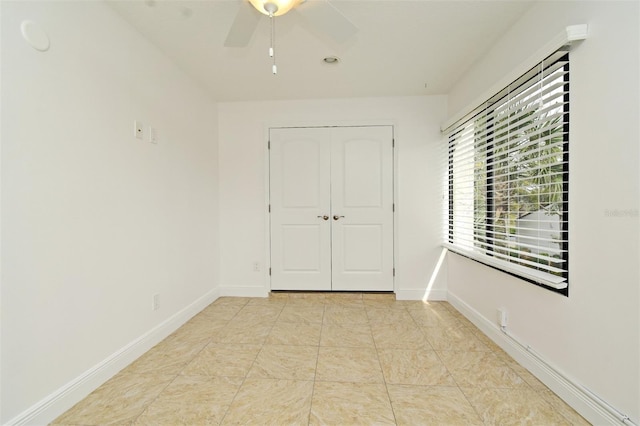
{"x":326,"y":18}
{"x":243,"y":26}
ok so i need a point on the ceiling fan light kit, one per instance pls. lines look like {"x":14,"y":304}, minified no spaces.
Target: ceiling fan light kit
{"x":274,"y":7}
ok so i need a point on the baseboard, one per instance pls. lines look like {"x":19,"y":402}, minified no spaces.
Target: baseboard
{"x":236,"y":291}
{"x":52,"y":406}
{"x":585,"y":404}
{"x":420,"y":294}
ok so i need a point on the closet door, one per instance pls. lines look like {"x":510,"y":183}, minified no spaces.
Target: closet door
{"x":300,"y":185}
{"x":362,"y":208}
{"x":331,"y":192}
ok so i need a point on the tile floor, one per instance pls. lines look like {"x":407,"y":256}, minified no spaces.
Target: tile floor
{"x":325,"y":358}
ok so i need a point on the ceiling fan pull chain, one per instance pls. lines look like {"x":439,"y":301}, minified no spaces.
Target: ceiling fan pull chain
{"x":272,"y":51}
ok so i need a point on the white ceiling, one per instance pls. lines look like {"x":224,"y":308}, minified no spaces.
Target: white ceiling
{"x":402,"y":48}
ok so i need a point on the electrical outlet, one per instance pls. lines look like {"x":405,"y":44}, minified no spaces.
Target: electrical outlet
{"x":502,"y":317}
{"x":155,"y":302}
{"x":256,"y":266}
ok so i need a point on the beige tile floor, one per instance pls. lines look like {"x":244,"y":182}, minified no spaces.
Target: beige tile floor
{"x":324,"y":358}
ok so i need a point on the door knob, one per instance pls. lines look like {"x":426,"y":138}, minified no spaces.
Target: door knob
{"x":336,"y":217}
{"x":325,"y":217}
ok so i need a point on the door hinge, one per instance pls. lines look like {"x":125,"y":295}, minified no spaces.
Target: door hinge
{"x":269,"y":208}
{"x":394,"y":272}
{"x":393,"y":143}
{"x":269,"y":271}
{"x":268,"y":144}
{"x":393,"y":207}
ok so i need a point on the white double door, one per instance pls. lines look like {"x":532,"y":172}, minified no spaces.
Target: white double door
{"x":331,"y":203}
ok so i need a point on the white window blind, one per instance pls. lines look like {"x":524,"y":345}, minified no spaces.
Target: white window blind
{"x":508,"y":175}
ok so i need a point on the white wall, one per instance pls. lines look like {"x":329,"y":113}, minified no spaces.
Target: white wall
{"x":592,"y":336}
{"x":244,"y":192}
{"x":94,"y":221}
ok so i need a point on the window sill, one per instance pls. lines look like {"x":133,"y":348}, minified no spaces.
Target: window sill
{"x":537,"y":277}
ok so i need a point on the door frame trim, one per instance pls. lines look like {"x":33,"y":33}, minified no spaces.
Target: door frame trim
{"x":314,"y":124}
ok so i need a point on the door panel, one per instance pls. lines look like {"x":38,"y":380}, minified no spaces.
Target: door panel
{"x":362,"y":202}
{"x":362,"y":170}
{"x":362,"y":248}
{"x":300,"y":192}
{"x":346,"y":175}
{"x":301,"y":175}
{"x":300,"y":248}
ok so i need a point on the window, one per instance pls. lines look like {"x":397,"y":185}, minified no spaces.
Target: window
{"x":508,"y":177}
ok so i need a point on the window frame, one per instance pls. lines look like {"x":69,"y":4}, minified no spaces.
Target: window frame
{"x":495,"y":101}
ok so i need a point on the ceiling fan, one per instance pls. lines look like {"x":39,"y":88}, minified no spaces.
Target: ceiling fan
{"x":319,"y":13}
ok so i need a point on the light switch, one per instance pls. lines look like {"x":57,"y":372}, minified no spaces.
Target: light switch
{"x":153,"y":137}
